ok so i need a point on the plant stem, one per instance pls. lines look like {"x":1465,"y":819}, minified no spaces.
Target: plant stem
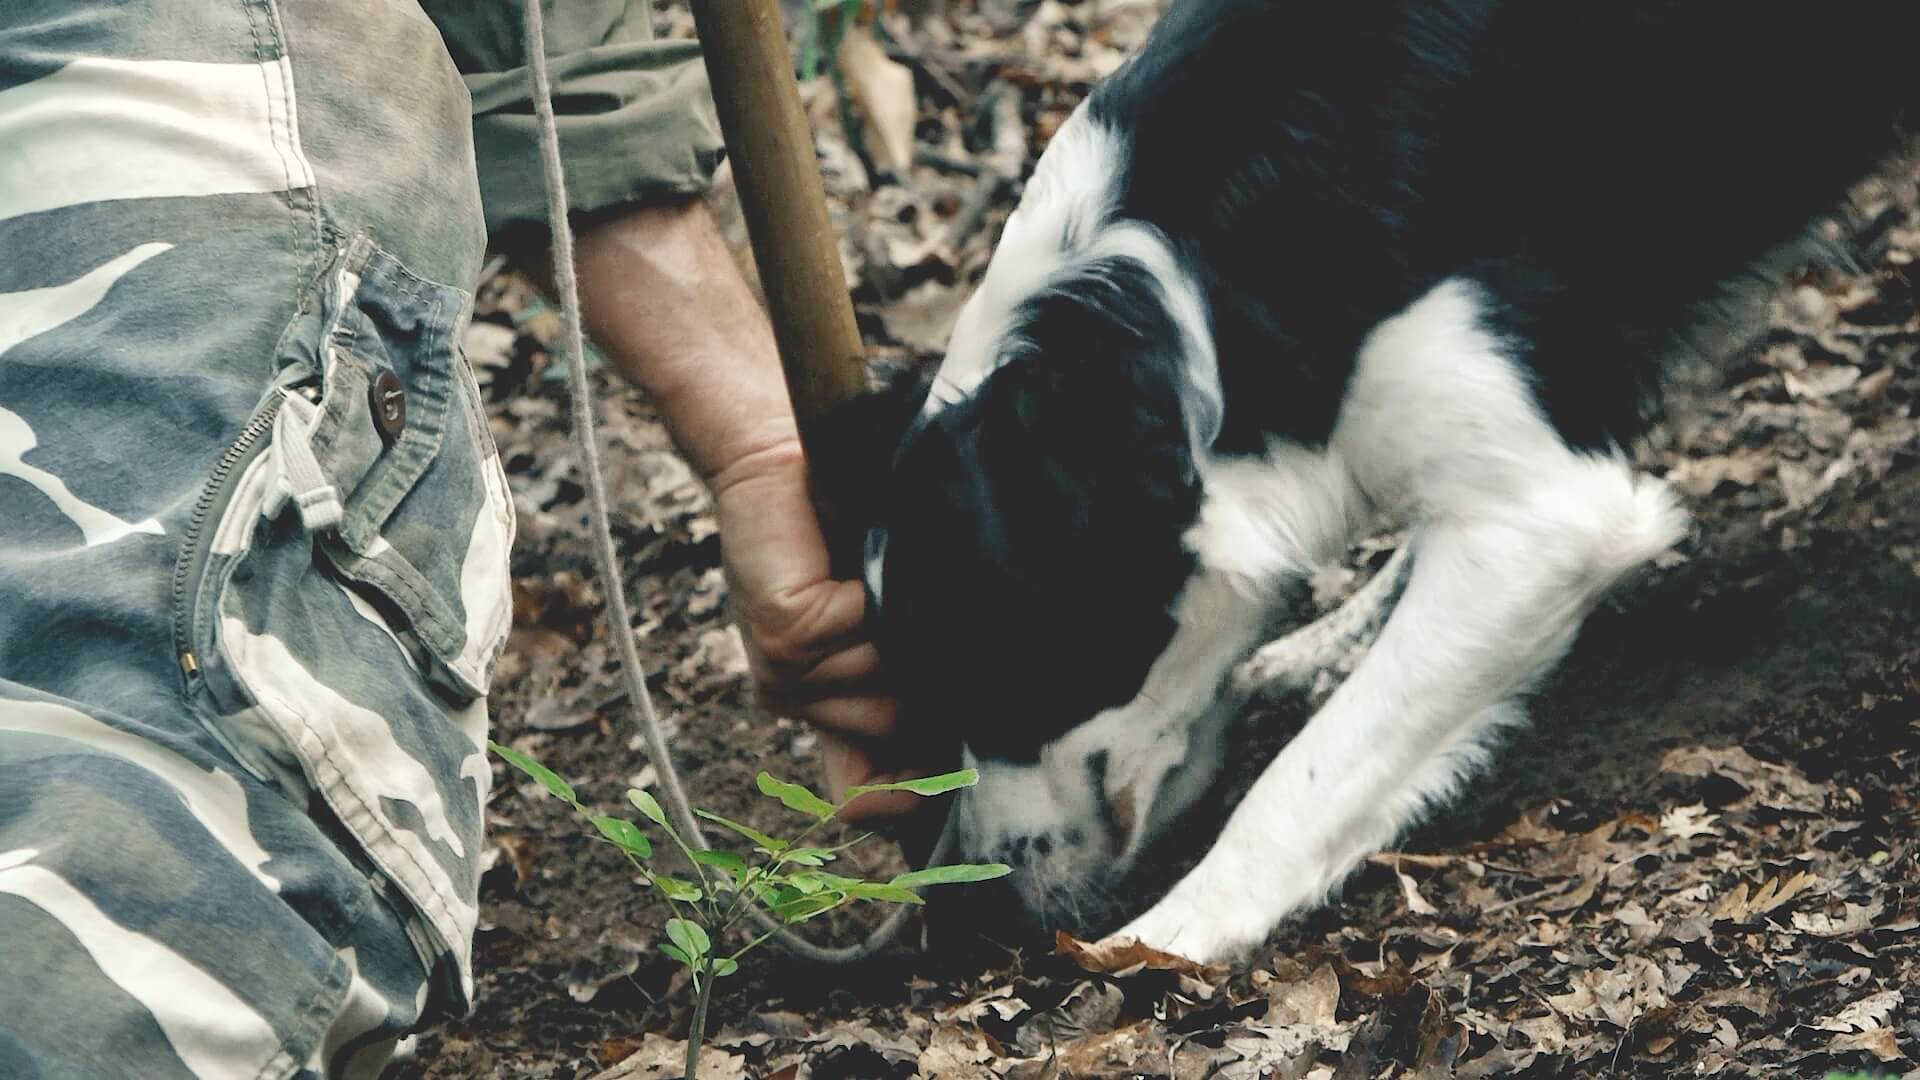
{"x":751,"y":945}
{"x":697,"y":1031}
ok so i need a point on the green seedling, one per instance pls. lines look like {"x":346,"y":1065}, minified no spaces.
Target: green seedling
{"x":786,"y":878}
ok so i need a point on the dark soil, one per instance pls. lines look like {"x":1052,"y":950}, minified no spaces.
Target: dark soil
{"x":1698,"y":858}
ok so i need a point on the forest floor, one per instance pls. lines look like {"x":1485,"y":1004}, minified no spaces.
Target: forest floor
{"x":1698,"y":859}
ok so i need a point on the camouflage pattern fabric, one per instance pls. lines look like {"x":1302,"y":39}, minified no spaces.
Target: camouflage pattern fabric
{"x":253,"y":531}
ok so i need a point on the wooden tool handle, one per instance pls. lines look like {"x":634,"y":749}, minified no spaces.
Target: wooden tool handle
{"x":745,"y":46}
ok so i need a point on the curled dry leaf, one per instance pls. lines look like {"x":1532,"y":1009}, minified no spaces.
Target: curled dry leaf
{"x":1878,"y":1041}
{"x":1855,"y":918}
{"x":1312,"y":1001}
{"x":1866,"y":1014}
{"x":1126,"y":957}
{"x":1415,"y":902}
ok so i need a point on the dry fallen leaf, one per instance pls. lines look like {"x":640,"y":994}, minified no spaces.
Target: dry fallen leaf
{"x":1311,"y":1002}
{"x":521,"y":852}
{"x":1741,"y":905}
{"x":1858,"y":917}
{"x":955,"y":1053}
{"x":883,"y":90}
{"x":661,"y":1058}
{"x":1090,"y":1009}
{"x":1760,"y":776}
{"x":1415,"y":902}
{"x":1866,"y":1014}
{"x":1687,"y":822}
{"x":1126,"y":956}
{"x":1876,"y":1041}
{"x":1114,"y":1053}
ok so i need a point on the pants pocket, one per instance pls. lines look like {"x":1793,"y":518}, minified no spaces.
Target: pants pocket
{"x":347,"y":596}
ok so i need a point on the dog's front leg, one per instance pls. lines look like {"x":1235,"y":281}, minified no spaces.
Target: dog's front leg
{"x":1516,"y":536}
{"x":1478,"y":621}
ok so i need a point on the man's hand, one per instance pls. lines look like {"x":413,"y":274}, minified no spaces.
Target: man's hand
{"x":664,"y":300}
{"x":805,"y":631}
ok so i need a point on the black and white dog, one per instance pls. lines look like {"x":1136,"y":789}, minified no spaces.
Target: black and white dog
{"x":1295,"y":265}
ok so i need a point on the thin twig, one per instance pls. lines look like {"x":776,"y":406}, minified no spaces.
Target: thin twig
{"x":1537,"y":894}
{"x":934,"y":159}
{"x":942,"y":79}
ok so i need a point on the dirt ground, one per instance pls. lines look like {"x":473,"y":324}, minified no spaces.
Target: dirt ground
{"x":1698,"y":859}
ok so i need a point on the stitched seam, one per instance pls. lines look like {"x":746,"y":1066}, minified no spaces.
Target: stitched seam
{"x":311,"y":1028}
{"x":265,"y":52}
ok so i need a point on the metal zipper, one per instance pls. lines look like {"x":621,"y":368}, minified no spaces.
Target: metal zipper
{"x":213,"y":500}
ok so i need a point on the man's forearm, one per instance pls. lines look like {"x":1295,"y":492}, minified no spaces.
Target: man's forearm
{"x":663,"y":299}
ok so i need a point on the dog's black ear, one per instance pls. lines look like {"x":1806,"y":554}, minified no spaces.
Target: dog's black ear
{"x":850,"y":454}
{"x":1035,"y":525}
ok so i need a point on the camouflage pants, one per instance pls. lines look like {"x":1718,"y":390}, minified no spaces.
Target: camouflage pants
{"x":253,"y":537}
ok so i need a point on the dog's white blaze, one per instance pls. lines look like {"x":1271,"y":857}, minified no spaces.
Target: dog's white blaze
{"x":1065,"y":218}
{"x":1071,"y":191}
{"x":1202,"y":399}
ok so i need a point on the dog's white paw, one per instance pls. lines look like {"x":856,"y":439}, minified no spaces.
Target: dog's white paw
{"x":1190,"y":927}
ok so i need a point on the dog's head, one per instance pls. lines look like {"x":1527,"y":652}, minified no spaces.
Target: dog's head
{"x":1037,"y":594}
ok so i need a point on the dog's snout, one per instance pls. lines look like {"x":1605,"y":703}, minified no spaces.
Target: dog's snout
{"x":1029,"y":848}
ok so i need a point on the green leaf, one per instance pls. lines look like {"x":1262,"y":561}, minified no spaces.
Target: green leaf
{"x":724,"y":967}
{"x":806,"y":884}
{"x":886,"y":892}
{"x":930,"y":785}
{"x":624,"y":833}
{"x":794,"y":797}
{"x":547,"y":777}
{"x":691,"y":938}
{"x":957,"y":874}
{"x":762,"y":840}
{"x":725,"y":860}
{"x":809,"y":48}
{"x":811,"y":856}
{"x":803,"y":908}
{"x":648,"y":806}
{"x":676,"y":889}
{"x":675,"y":952}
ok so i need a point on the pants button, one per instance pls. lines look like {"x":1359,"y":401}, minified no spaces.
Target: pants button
{"x":389,"y":401}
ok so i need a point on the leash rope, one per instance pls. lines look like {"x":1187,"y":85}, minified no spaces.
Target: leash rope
{"x":612,"y":581}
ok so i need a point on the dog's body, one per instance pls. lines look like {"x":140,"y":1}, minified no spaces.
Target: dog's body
{"x":1296,"y":265}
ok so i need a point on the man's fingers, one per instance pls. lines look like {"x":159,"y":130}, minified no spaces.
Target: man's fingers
{"x":881,"y":805}
{"x":794,"y":630}
{"x":873,"y":716}
{"x":850,"y":671}
{"x":848,"y":764}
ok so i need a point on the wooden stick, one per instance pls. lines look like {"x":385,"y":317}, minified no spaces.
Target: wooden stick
{"x":744,"y":43}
